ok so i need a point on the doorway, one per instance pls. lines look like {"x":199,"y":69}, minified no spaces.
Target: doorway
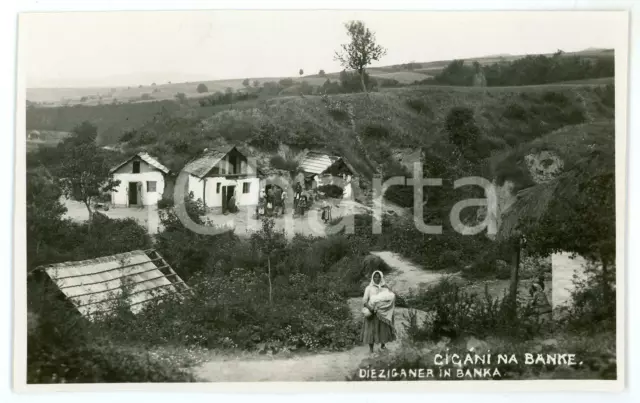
{"x":227,"y":194}
{"x":134,"y":193}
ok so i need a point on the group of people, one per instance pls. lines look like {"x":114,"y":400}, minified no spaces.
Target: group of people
{"x":379,"y":305}
{"x":272,"y":201}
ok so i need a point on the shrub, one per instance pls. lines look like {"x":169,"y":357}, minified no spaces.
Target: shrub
{"x":165,"y":203}
{"x":557,"y":98}
{"x":267,"y":137}
{"x":181,"y":97}
{"x":146,"y":97}
{"x":419,"y":106}
{"x":589,"y":310}
{"x":461,"y":126}
{"x":202,"y":88}
{"x":607,"y":95}
{"x":376,"y":132}
{"x":459,"y":313}
{"x":64,"y":347}
{"x":128,"y":135}
{"x":515,"y":112}
{"x":289,"y":165}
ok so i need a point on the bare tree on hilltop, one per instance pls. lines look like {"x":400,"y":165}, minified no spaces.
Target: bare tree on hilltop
{"x":361,"y":51}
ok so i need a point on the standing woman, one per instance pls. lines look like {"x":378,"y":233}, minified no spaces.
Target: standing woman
{"x":378,"y":327}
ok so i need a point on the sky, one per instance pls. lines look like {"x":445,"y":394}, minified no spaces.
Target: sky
{"x":131,"y":48}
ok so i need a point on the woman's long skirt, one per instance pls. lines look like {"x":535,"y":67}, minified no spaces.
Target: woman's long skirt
{"x":375,"y":331}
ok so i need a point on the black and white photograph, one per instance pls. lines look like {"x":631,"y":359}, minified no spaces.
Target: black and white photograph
{"x":246,"y":197}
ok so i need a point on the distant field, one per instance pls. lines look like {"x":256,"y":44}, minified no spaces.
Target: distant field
{"x":160,"y":92}
{"x":46,"y":138}
{"x":403,"y":77}
{"x":167,"y":91}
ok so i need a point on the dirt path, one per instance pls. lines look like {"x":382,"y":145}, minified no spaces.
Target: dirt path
{"x":323,"y":366}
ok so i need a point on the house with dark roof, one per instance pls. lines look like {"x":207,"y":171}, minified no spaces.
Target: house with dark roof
{"x":142,"y":181}
{"x":221,"y":174}
{"x":320,"y":168}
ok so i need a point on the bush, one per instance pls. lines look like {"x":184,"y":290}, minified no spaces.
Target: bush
{"x":278,"y":162}
{"x":128,"y":135}
{"x":459,"y":313}
{"x":146,"y":97}
{"x":202,"y":88}
{"x":589,"y":310}
{"x":607,"y":95}
{"x":64,"y":347}
{"x":461,"y":126}
{"x":557,"y":98}
{"x":376,"y":132}
{"x":165,"y":203}
{"x":419,"y":106}
{"x":100,"y":362}
{"x":181,"y":97}
{"x":515,"y":112}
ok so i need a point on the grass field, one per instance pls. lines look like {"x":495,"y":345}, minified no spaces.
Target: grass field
{"x":403,"y":77}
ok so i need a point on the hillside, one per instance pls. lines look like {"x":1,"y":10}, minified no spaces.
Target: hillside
{"x":392,"y":119}
{"x":367,"y":130}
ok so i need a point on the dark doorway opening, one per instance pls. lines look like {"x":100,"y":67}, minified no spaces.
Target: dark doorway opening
{"x":133,"y":193}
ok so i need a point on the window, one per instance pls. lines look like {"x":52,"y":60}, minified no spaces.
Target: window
{"x":136,"y":167}
{"x":151,"y":186}
{"x":246,"y":187}
{"x":218,"y":187}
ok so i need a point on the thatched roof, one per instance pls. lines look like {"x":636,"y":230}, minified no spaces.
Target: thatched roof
{"x":93,"y":285}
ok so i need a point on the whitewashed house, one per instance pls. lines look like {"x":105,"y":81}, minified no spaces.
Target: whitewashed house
{"x":221,"y":173}
{"x":142,"y":181}
{"x":323,"y":169}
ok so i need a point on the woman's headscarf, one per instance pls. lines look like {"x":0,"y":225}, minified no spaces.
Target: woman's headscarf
{"x":381,"y":283}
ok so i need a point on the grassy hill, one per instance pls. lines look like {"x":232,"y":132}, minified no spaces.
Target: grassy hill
{"x":368,"y":129}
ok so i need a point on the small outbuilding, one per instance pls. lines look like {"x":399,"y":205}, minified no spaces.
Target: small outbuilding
{"x":321,"y":168}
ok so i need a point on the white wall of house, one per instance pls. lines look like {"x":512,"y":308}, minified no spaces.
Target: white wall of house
{"x":196,"y":186}
{"x":146,"y":196}
{"x":214,"y":185}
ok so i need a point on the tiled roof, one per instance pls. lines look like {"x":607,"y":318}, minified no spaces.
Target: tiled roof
{"x":205,"y":163}
{"x":94,"y":285}
{"x":146,"y":158}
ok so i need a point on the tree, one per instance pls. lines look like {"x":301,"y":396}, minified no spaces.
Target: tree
{"x":301,"y":72}
{"x":246,"y":82}
{"x":268,"y":242}
{"x":361,"y":51}
{"x":181,"y":97}
{"x":202,"y":88}
{"x":256,"y":83}
{"x":44,"y":212}
{"x":84,"y":174}
{"x":321,"y":73}
{"x":83,"y":133}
